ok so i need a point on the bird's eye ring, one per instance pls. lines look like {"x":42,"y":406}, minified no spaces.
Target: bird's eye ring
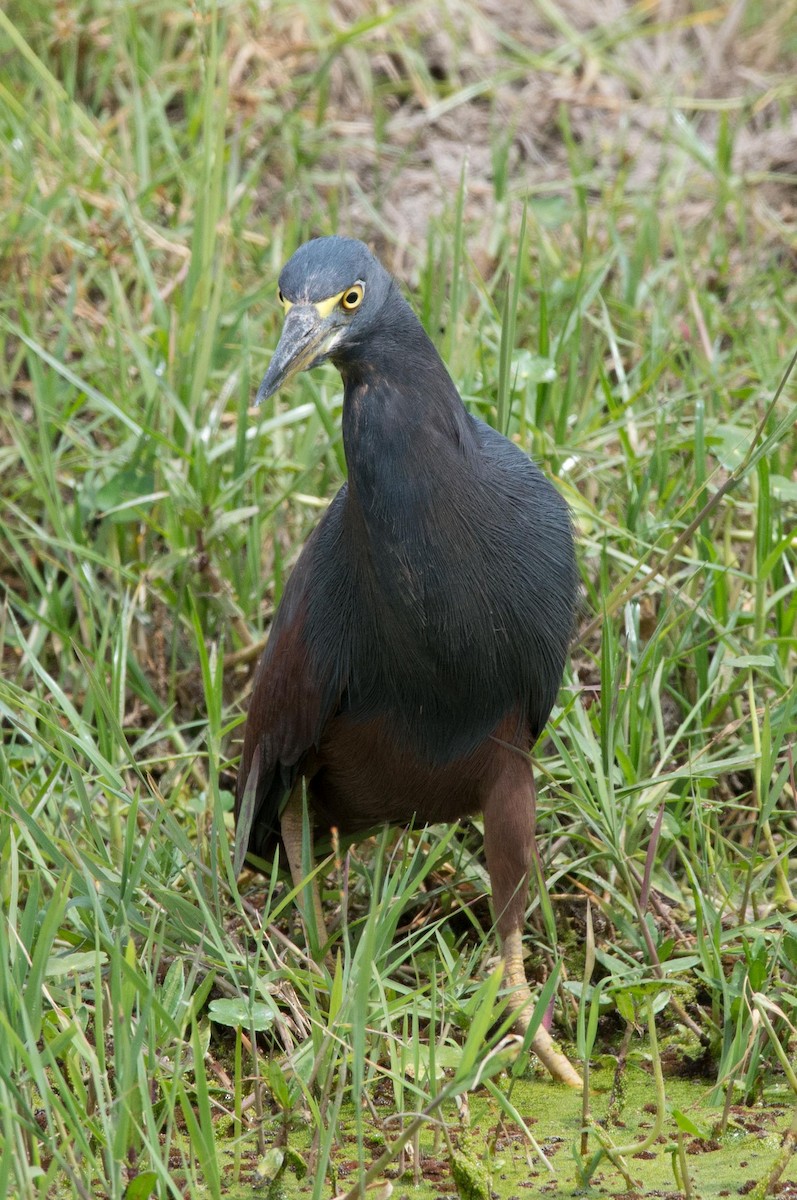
{"x":353,"y":297}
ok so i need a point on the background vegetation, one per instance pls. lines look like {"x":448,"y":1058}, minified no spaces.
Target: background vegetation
{"x":162,"y":1032}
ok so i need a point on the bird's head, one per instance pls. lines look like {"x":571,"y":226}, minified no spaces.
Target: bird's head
{"x":331,"y":290}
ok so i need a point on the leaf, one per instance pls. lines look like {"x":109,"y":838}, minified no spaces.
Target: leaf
{"x":142,"y":1187}
{"x":173,"y":988}
{"x":687,"y":1125}
{"x":73,"y":964}
{"x":532,"y":368}
{"x":240,"y":1013}
{"x":278,"y":1084}
{"x":729,"y":444}
{"x":270,"y":1166}
{"x":625,"y":1006}
{"x":748,"y":660}
{"x":666,"y":948}
{"x":783,"y":488}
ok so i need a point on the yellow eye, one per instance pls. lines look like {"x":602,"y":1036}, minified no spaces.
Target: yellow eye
{"x":353,"y":297}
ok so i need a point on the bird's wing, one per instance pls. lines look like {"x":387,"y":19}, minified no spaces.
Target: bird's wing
{"x":296,"y":690}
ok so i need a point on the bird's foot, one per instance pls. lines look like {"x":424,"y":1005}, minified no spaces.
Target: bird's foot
{"x":555,"y":1062}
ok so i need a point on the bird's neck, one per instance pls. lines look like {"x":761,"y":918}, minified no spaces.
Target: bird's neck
{"x":402,"y":414}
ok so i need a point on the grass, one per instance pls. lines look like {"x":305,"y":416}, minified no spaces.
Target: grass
{"x":625,"y":309}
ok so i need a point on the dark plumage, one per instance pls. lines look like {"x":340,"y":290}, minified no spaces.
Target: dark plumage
{"x":421,"y":638}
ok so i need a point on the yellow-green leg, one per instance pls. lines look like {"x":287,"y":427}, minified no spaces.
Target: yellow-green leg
{"x":558,"y":1064}
{"x":509,"y":820}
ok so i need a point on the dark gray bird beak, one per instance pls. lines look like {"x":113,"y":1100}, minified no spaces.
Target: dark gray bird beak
{"x":306,"y":339}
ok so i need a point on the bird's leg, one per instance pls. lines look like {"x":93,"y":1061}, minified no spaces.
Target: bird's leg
{"x":292,"y":828}
{"x":509,"y":825}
